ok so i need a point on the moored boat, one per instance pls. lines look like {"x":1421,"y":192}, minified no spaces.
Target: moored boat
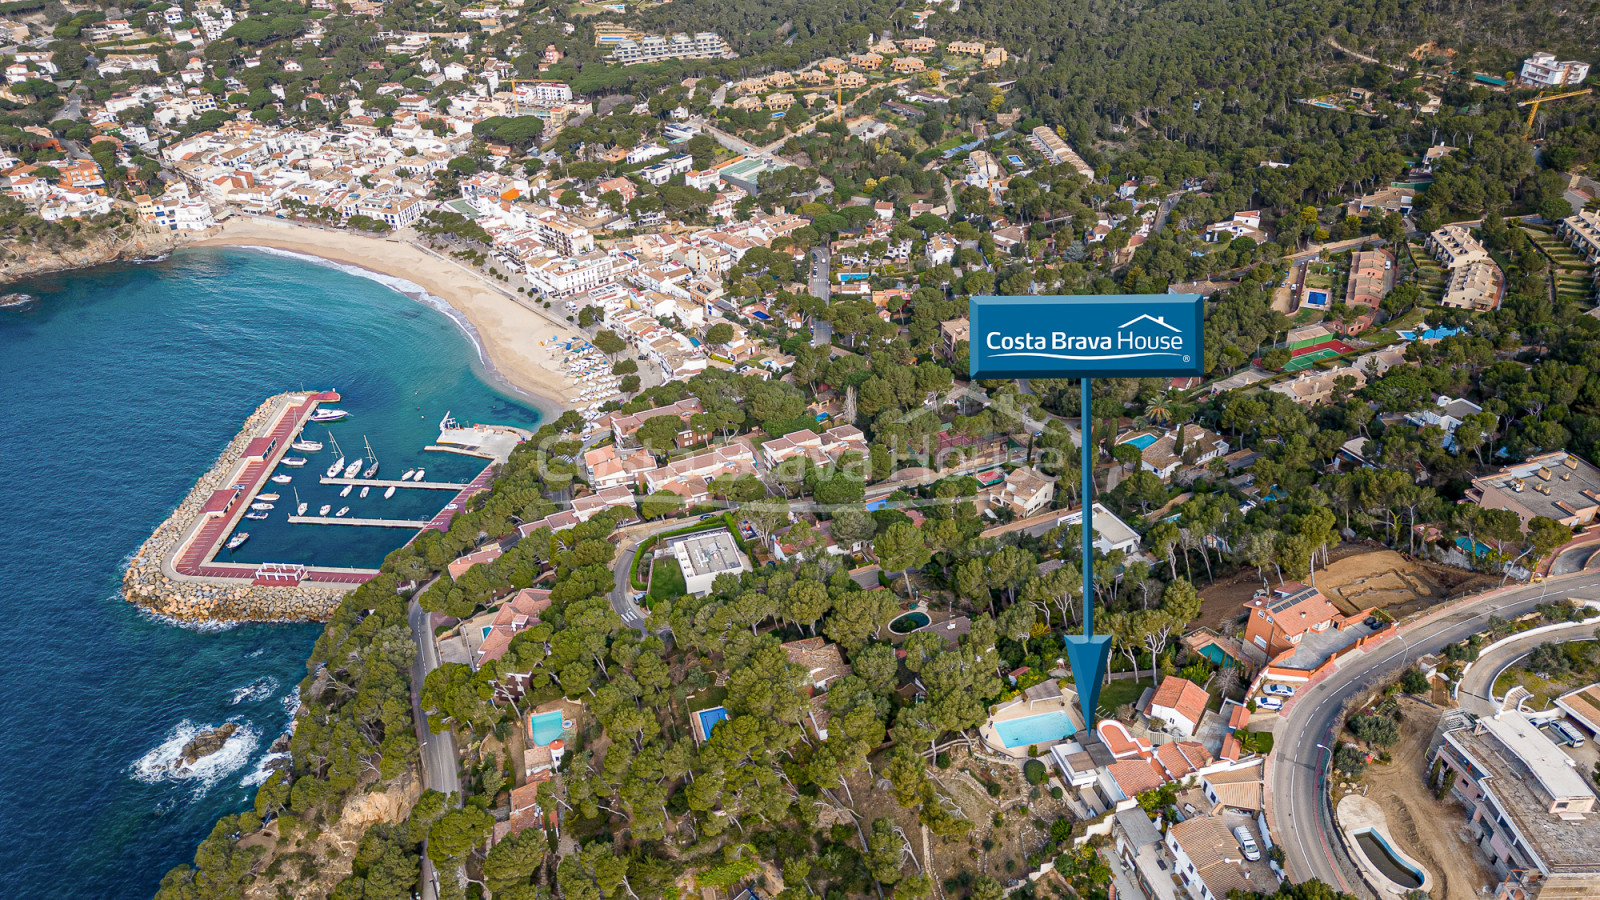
{"x":346,"y":491}
{"x":328,"y":414}
{"x":266,"y":496}
{"x":255,"y":515}
{"x":324,"y":510}
{"x":237,"y":539}
{"x":420,"y":473}
{"x":338,"y":464}
{"x":306,"y":446}
{"x":389,"y":493}
{"x":261,"y":506}
{"x":364,"y":491}
{"x":342,"y":511}
{"x":351,"y":470}
{"x":294,"y":461}
{"x":408,"y":474}
{"x":281,"y":478}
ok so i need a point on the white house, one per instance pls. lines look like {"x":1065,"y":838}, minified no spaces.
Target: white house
{"x":1178,"y":704}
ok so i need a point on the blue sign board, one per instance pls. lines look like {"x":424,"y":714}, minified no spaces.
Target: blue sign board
{"x":1119,"y":336}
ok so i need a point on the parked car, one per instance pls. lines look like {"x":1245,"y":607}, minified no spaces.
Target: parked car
{"x":1571,"y":735}
{"x":1279,"y":690}
{"x":1269,"y":703}
{"x":1247,"y":843}
{"x":1371,"y":622}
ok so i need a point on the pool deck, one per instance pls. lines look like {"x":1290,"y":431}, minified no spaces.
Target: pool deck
{"x":1022,"y":708}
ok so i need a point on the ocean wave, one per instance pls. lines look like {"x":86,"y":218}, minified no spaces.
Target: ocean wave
{"x":255,"y":653}
{"x":393,"y":282}
{"x":260,"y":689}
{"x":163,"y":763}
{"x":202,"y":627}
{"x":264,"y":768}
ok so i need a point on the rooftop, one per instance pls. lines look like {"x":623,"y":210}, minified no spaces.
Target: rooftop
{"x":708,"y":554}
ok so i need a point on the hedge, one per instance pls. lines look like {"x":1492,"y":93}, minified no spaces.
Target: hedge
{"x":650,"y":542}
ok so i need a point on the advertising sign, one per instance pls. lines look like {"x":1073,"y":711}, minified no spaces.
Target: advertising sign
{"x":1117,"y":336}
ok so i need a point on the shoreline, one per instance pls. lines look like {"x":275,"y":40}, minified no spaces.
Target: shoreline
{"x":506,"y":333}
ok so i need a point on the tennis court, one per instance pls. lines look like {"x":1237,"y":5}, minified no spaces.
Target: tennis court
{"x":1306,"y":357}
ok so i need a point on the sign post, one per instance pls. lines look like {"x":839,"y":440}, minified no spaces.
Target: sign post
{"x":1121,"y":336}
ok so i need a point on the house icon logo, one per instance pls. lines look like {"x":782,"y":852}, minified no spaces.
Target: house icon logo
{"x":1146,"y":317}
{"x":1078,"y":336}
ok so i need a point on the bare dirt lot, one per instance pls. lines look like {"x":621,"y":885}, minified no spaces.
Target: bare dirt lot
{"x":1433,"y":831}
{"x":1361,"y":576}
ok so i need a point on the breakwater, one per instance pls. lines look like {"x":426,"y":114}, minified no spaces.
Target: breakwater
{"x":151,"y":581}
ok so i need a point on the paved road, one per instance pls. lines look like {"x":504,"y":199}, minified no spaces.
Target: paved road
{"x":622,"y":592}
{"x":1477,"y":688}
{"x":438,"y":750}
{"x":1302,"y":820}
{"x":822,"y":271}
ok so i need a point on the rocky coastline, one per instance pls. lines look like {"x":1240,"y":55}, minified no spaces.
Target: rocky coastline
{"x":142,"y":242}
{"x":148,"y":584}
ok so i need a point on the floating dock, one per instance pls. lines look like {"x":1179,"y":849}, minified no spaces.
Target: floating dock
{"x":347,"y":520}
{"x":376,"y":482}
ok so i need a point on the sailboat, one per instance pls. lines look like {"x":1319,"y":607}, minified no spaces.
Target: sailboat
{"x":338,"y":464}
{"x":305,"y":446}
{"x":372,"y":458}
{"x":353,"y":469}
{"x":300,"y":507}
{"x":389,"y":493}
{"x":346,"y":491}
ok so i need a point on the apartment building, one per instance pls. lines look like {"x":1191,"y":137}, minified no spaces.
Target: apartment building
{"x":1582,"y":231}
{"x":1543,"y":70}
{"x":822,"y":449}
{"x":1477,"y":285}
{"x":1313,"y":387}
{"x":906,"y":65}
{"x":1053,"y":148}
{"x":982,"y":169}
{"x":563,"y":276}
{"x":1556,"y":485}
{"x":1531,"y":811}
{"x":655,"y":48}
{"x":1454,"y":245}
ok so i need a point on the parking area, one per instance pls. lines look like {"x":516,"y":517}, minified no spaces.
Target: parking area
{"x":1586,"y":756}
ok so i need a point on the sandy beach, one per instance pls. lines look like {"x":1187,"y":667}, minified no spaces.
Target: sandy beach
{"x":509,"y":332}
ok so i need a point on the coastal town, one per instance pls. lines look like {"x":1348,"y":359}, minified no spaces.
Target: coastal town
{"x":771,"y":602}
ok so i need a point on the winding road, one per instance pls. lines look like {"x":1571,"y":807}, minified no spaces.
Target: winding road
{"x":438,"y":750}
{"x":1301,"y":818}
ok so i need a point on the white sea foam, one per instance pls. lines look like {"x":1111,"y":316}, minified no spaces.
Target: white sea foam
{"x":291,"y":704}
{"x":260,"y":689}
{"x":255,"y":653}
{"x":409,"y":288}
{"x":263,"y":769}
{"x":164,"y":764}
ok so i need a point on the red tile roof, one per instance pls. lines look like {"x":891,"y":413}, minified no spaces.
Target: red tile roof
{"x":1183,"y":695}
{"x":1135,"y":776}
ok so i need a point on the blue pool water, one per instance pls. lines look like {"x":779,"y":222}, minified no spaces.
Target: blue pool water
{"x":761,"y":315}
{"x":710,"y":717}
{"x":1014,"y":159}
{"x":1316,"y":298}
{"x":136,"y":377}
{"x":1041,"y":729}
{"x":1143,"y":441}
{"x":1432,"y":334}
{"x":546,"y":728}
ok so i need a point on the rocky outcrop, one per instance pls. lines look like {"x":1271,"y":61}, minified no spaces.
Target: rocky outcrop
{"x":204,"y":744}
{"x":131,"y":241}
{"x":150,"y":583}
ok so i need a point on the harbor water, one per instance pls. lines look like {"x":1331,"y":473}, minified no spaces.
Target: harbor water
{"x":122,"y":384}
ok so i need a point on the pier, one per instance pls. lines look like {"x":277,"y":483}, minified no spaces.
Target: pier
{"x":417,"y":524}
{"x":378,"y":482}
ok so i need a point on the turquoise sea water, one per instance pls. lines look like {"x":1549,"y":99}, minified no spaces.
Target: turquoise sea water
{"x":119,"y":388}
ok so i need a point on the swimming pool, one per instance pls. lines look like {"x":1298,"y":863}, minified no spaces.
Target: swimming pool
{"x":546,"y":727}
{"x":761,"y":315}
{"x":1041,"y":729}
{"x":1316,"y":298}
{"x":1015,"y":160}
{"x":1387,"y":861}
{"x":709,"y":719}
{"x":1142,"y":441}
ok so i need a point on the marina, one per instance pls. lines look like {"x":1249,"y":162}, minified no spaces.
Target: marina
{"x":198,"y":564}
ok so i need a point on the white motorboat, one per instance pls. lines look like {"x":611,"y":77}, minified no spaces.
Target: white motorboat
{"x":342,"y":511}
{"x":389,"y":493}
{"x":255,"y":515}
{"x":266,"y":496}
{"x":237,"y":539}
{"x":408,"y":474}
{"x":364,"y":491}
{"x":261,"y":506}
{"x":420,"y":473}
{"x":294,"y":462}
{"x":328,"y":414}
{"x":324,"y":510}
{"x":281,"y":478}
{"x":346,"y":491}
{"x":306,"y":446}
{"x":351,"y":470}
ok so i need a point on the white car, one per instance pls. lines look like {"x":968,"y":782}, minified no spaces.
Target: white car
{"x":1269,"y":703}
{"x":1278,"y":690}
{"x":1247,"y":843}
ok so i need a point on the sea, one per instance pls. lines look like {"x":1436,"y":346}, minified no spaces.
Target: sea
{"x":118,"y":388}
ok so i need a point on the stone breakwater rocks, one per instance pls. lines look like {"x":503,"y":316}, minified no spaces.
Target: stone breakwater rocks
{"x":211,"y":600}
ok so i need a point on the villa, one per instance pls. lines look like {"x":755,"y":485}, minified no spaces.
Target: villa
{"x":1179,"y":704}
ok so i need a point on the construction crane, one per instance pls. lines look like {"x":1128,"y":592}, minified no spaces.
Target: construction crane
{"x":1545,"y":98}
